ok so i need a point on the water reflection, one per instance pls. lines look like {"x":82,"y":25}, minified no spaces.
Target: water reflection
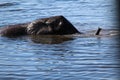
{"x":50,"y":39}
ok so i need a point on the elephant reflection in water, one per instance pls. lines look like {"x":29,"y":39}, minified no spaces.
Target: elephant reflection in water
{"x":49,"y":39}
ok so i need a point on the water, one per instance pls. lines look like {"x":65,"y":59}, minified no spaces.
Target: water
{"x":60,"y":57}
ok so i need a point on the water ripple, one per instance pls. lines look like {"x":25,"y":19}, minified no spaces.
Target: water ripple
{"x":7,"y":4}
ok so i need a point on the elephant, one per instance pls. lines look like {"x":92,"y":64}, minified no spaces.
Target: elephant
{"x":55,"y":25}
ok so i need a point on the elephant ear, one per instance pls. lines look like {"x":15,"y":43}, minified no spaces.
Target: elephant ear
{"x":38,"y":28}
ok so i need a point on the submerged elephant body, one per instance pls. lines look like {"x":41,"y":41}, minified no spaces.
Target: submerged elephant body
{"x":14,"y":30}
{"x":56,"y":25}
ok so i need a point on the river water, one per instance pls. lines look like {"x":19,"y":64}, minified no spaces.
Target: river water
{"x":60,"y":57}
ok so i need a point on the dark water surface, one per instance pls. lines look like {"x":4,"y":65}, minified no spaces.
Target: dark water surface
{"x":60,"y":57}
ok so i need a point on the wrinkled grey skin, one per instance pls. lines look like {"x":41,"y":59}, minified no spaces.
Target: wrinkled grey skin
{"x":37,"y":28}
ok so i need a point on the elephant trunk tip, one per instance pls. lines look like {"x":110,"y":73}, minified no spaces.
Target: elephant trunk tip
{"x":98,"y":31}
